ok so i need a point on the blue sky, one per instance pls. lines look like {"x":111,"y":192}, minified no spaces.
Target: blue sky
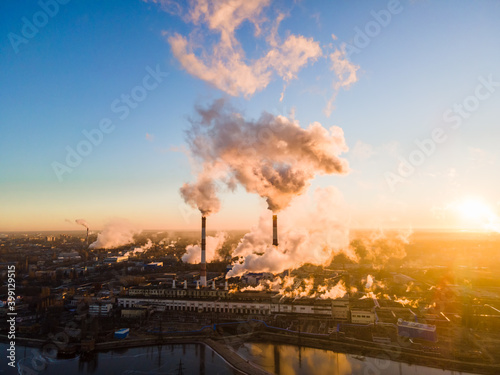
{"x":63,"y":80}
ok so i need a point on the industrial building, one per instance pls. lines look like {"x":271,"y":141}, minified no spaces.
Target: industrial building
{"x":115,"y":259}
{"x":98,"y":309}
{"x":417,"y":330}
{"x":362,"y":316}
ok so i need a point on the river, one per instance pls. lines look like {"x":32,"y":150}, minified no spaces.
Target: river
{"x":200,"y":359}
{"x":290,"y":360}
{"x":151,"y":360}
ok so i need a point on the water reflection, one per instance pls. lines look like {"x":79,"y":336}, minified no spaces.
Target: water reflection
{"x":162,"y":359}
{"x":294,"y":360}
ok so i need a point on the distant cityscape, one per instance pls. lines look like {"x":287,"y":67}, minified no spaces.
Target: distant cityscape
{"x":109,"y":298}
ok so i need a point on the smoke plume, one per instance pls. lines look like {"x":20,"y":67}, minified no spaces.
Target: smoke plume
{"x":141,"y":249}
{"x":193,"y":252}
{"x":292,"y":287}
{"x":202,"y":195}
{"x":310,"y":233}
{"x":369,"y":282}
{"x":272,"y":156}
{"x":82,"y":222}
{"x":115,"y":234}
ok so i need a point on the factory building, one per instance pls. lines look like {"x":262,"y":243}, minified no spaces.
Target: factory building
{"x":416,"y":330}
{"x":362,"y":316}
{"x":340,"y":309}
{"x":165,"y":292}
{"x":97,"y":309}
{"x":314,"y":307}
{"x":115,"y":259}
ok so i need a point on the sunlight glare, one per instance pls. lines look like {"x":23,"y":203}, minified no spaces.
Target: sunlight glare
{"x":474,"y":209}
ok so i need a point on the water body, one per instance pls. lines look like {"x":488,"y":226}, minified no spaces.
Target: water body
{"x":151,"y":360}
{"x":290,"y":360}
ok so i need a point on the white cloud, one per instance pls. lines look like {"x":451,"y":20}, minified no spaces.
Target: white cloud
{"x":345,"y":71}
{"x":223,"y":63}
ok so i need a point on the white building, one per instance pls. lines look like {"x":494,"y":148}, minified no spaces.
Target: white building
{"x":362,"y":316}
{"x":100,"y":309}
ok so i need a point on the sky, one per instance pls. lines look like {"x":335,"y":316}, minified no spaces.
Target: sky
{"x":96,"y":99}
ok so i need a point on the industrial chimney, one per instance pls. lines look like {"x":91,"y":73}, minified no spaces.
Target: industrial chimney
{"x":275,"y":230}
{"x":203,"y":273}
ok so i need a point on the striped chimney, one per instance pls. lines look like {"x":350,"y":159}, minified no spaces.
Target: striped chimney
{"x":203,"y":273}
{"x":275,"y":230}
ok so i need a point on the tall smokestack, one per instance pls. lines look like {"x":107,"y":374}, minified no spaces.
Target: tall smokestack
{"x":203,"y":273}
{"x":87,"y":238}
{"x":275,"y":230}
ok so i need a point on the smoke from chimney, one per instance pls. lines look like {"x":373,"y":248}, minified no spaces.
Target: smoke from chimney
{"x":272,"y":156}
{"x":202,"y":195}
{"x":313,"y":230}
{"x":86,"y":225}
{"x":115,"y":234}
{"x":82,"y":222}
{"x":203,"y":273}
{"x":212,"y":246}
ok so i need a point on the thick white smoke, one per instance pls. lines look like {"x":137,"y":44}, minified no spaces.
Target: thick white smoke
{"x":115,"y":234}
{"x":369,"y":282}
{"x":309,"y":232}
{"x":148,"y":245}
{"x":272,"y":156}
{"x":202,"y":194}
{"x":193,"y":252}
{"x":292,"y":287}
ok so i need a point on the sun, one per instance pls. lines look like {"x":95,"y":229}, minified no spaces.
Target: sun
{"x":478,"y":215}
{"x":474,"y":209}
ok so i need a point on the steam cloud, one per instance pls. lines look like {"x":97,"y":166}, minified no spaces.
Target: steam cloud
{"x":273,"y":156}
{"x":291,"y":287}
{"x":148,"y":245}
{"x":369,"y":282}
{"x":310,"y":233}
{"x":201,"y":195}
{"x":193,"y":252}
{"x":115,"y":234}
